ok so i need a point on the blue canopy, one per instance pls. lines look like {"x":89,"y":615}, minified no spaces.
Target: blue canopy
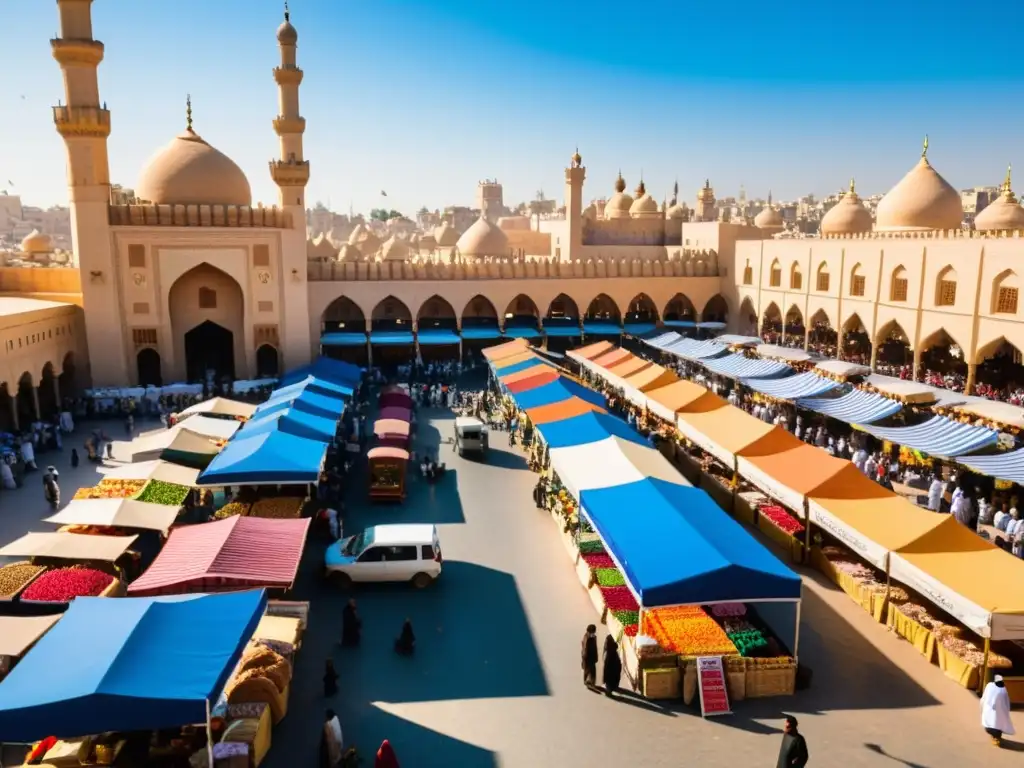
{"x":310,"y":402}
{"x":481,"y":332}
{"x":326,"y":369}
{"x":1003,"y":466}
{"x":343,"y":339}
{"x":855,"y":407}
{"x":662,"y":339}
{"x":792,"y":387}
{"x":690,"y":324}
{"x":562,"y":330}
{"x":938,"y":436}
{"x":676,"y":546}
{"x":437,"y":336}
{"x":558,"y":390}
{"x":522,"y":365}
{"x":587,"y":428}
{"x":691,"y":349}
{"x":601,"y":328}
{"x":312,"y":384}
{"x":639,"y":329}
{"x":130,"y":664}
{"x":737,"y":366}
{"x":391,"y":338}
{"x":293,"y":422}
{"x":267,"y":459}
{"x":521,"y":332}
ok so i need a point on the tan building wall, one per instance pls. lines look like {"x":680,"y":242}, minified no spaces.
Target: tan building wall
{"x":50,"y":283}
{"x":528,"y":242}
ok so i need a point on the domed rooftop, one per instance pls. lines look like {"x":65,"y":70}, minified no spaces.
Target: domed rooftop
{"x":188,"y":171}
{"x":349,"y":252}
{"x":677,"y":210}
{"x":590,"y":212}
{"x":364,"y":239}
{"x":769,"y":218}
{"x":286,"y":34}
{"x":483,"y":239}
{"x":394,"y":249}
{"x":36,"y":242}
{"x":445,"y":235}
{"x":706,"y":192}
{"x":426,"y":242}
{"x":848,"y":216}
{"x":1003,"y":213}
{"x":644,"y":206}
{"x":619,"y":204}
{"x":922,"y":200}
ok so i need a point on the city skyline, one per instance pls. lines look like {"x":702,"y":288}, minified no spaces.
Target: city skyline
{"x":423,"y":100}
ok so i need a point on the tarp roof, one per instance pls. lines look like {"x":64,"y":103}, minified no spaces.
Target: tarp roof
{"x":267,"y":459}
{"x":293,"y":422}
{"x":611,"y":357}
{"x":520,"y":332}
{"x":734,"y":340}
{"x":308,"y":401}
{"x":601,"y":327}
{"x":774,"y":351}
{"x":19,"y":633}
{"x":531,"y":379}
{"x":665,"y":401}
{"x":137,"y":665}
{"x":938,"y":436}
{"x":220,"y":406}
{"x":327,"y":368}
{"x":536,"y":366}
{"x":226,"y":555}
{"x":508,"y":349}
{"x":156,"y":469}
{"x":514,"y":359}
{"x":792,"y":387}
{"x":626,"y":367}
{"x":392,"y":338}
{"x":993,"y":410}
{"x":739,"y":366}
{"x":677,"y":547}
{"x":855,"y":407}
{"x":591,"y":351}
{"x":638,"y":329}
{"x":609,"y":462}
{"x":1005,"y":466}
{"x":396,"y":412}
{"x":722,"y":431}
{"x":470,"y":333}
{"x":566,"y":409}
{"x":120,"y":513}
{"x":651,"y":377}
{"x":69,"y":546}
{"x":790,"y":474}
{"x":387,"y":452}
{"x":587,"y":428}
{"x":658,"y":339}
{"x":901,"y":389}
{"x":391,"y":428}
{"x":842,"y":368}
{"x":313,"y":384}
{"x":192,"y":436}
{"x":395,"y":400}
{"x":968,"y":577}
{"x":555,"y":392}
{"x":694,"y":350}
{"x":435,"y":336}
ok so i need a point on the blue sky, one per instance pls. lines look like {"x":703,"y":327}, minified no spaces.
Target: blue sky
{"x":422,"y":99}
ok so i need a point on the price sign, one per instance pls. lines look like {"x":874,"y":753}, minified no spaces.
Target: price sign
{"x":714,"y":699}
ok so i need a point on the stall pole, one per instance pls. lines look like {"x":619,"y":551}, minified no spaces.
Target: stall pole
{"x":796,"y":636}
{"x":984,"y":666}
{"x":888,"y":581}
{"x":807,"y":532}
{"x":209,"y":734}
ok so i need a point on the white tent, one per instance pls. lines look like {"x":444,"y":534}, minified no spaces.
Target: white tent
{"x":609,"y":462}
{"x":220,"y":406}
{"x":121,"y":513}
{"x":165,"y":471}
{"x":192,"y":436}
{"x":69,"y":546}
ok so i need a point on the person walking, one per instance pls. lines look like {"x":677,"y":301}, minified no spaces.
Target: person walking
{"x":793,"y":752}
{"x":588,"y":656}
{"x":330,"y":678}
{"x":351,"y":626}
{"x":611,"y":674}
{"x":995,"y":711}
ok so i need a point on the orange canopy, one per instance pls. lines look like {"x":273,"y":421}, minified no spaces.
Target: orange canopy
{"x":803,"y":468}
{"x":631,"y":365}
{"x":507,"y":349}
{"x":651,"y":377}
{"x":526,"y":373}
{"x":511,"y":360}
{"x":613,"y":357}
{"x":721,"y":424}
{"x":592,"y":351}
{"x":537,"y":379}
{"x":574,"y":406}
{"x":674,"y":397}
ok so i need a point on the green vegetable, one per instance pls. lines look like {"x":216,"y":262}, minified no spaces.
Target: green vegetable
{"x":610,"y":577}
{"x":160,"y":492}
{"x":591,"y":547}
{"x":627,"y":618}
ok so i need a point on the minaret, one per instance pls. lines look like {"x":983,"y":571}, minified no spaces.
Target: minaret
{"x":84,"y":123}
{"x":574,"y":176}
{"x":290,"y":173}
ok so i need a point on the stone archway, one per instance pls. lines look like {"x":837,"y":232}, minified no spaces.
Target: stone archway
{"x":207,"y":307}
{"x":47,"y":395}
{"x":67,"y":381}
{"x":268,"y":362}
{"x":7,"y":409}
{"x":436,"y":312}
{"x":642,"y":309}
{"x":25,"y":401}
{"x":522,"y":312}
{"x":603,"y":307}
{"x":716,"y":310}
{"x":343,"y":315}
{"x":149,"y":368}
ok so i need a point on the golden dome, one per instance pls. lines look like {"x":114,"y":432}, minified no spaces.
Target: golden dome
{"x":922,"y":200}
{"x":394,"y":249}
{"x":188,"y":171}
{"x":848,"y":216}
{"x":364,"y":239}
{"x":36,"y":242}
{"x":483,"y":239}
{"x":769,"y":218}
{"x":445,"y":235}
{"x":590,"y":212}
{"x":619,"y":204}
{"x":577,"y":159}
{"x":677,"y":210}
{"x":349,"y":252}
{"x":706,"y":192}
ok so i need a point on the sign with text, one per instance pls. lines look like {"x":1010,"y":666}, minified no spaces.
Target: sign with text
{"x":714,"y":699}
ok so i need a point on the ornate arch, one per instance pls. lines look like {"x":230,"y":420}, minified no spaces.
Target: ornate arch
{"x":641,"y":309}
{"x":391,"y":312}
{"x":603,"y":307}
{"x":563,"y":306}
{"x":679,"y":307}
{"x":343,"y":312}
{"x":436,"y":312}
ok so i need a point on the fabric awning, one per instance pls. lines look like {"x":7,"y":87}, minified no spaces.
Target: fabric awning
{"x":521,"y":332}
{"x":627,"y":367}
{"x":387,"y":452}
{"x":659,"y":340}
{"x":734,"y":340}
{"x":794,"y":472}
{"x":677,"y":547}
{"x":334,"y":371}
{"x":855,"y":407}
{"x":508,"y":349}
{"x":226,"y":555}
{"x":118,"y":513}
{"x":601,"y":328}
{"x":524,"y":355}
{"x":476,"y":332}
{"x":591,"y":351}
{"x":69,"y":546}
{"x":294,"y":422}
{"x":901,"y":389}
{"x":1004,"y":466}
{"x":938,"y":436}
{"x":609,"y":462}
{"x":587,"y":428}
{"x":696,"y":351}
{"x":531,"y":380}
{"x":738,"y":366}
{"x":194,"y":435}
{"x":721,"y":429}
{"x":137,"y":665}
{"x":650,"y":378}
{"x":665,"y":401}
{"x":307,"y":401}
{"x":336,"y":390}
{"x":610,"y":358}
{"x":542,"y":368}
{"x":396,"y":412}
{"x":995,"y":411}
{"x":524,"y":365}
{"x":343,"y":339}
{"x":19,"y":633}
{"x":437,"y":336}
{"x":557,"y":391}
{"x":219,"y":406}
{"x":792,"y":387}
{"x":391,"y":338}
{"x":639,"y":329}
{"x":157,"y":469}
{"x":391,"y":428}
{"x":776,"y":352}
{"x":566,"y":409}
{"x":842,"y":369}
{"x":562,"y":331}
{"x":269,"y":459}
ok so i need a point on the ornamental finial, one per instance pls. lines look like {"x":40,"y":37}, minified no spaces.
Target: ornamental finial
{"x":924,"y":149}
{"x":188,"y":113}
{"x":287,"y":15}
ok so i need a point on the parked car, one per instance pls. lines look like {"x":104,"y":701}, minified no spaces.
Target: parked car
{"x":470,"y":436}
{"x":402,"y":552}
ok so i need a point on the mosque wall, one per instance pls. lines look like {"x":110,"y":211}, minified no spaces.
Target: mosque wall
{"x":30,"y":341}
{"x":53,"y":283}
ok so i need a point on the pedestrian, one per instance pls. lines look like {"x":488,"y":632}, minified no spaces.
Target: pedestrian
{"x":588,"y":656}
{"x":995,"y":711}
{"x":405,"y":643}
{"x":331,"y":741}
{"x":110,"y":450}
{"x":351,"y":625}
{"x":74,"y":458}
{"x":793,"y":752}
{"x":612,"y":672}
{"x":330,"y":678}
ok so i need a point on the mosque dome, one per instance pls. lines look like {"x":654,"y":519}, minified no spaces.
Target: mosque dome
{"x":848,"y":216}
{"x":394,"y":249}
{"x":445,"y":235}
{"x":188,"y":171}
{"x":286,"y":34}
{"x":590,"y":212}
{"x":36,"y":242}
{"x":769,"y":217}
{"x":619,"y":204}
{"x":349,"y":252}
{"x":1003,"y":213}
{"x":427,"y":243}
{"x":364,"y":239}
{"x":677,"y":210}
{"x":644,"y":206}
{"x":922,"y":200}
{"x":483,"y":239}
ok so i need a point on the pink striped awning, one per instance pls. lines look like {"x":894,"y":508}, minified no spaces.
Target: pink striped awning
{"x":226,"y":555}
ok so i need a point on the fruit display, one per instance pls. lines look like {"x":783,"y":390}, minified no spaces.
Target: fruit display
{"x":112,"y":489}
{"x":282,"y":508}
{"x":231,"y":509}
{"x":591,"y":548}
{"x":748,"y":639}
{"x":968,"y":651}
{"x":160,"y":492}
{"x":781,"y":519}
{"x":65,"y":584}
{"x":619,"y":599}
{"x":94,"y":530}
{"x":598,"y":560}
{"x":609,"y":577}
{"x":15,"y":576}
{"x":721,"y":610}
{"x":688,"y":631}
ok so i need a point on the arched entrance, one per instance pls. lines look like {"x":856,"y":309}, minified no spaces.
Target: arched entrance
{"x":943,"y":361}
{"x":268,"y":362}
{"x":26,"y":401}
{"x":771,"y":324}
{"x":747,"y":319}
{"x":391,"y":335}
{"x":794,"y":327}
{"x":147,"y":366}
{"x":680,"y":312}
{"x":999,"y":371}
{"x":207,"y":309}
{"x":479,"y":325}
{"x":715,"y":311}
{"x":6,"y":409}
{"x":344,"y":331}
{"x":436,"y":326}
{"x":822,"y":338}
{"x":562,"y":324}
{"x":68,"y":381}
{"x":603,"y":317}
{"x":47,"y":393}
{"x":522,"y":317}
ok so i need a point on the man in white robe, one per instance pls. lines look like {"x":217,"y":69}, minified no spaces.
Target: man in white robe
{"x":935,"y":494}
{"x":995,"y":711}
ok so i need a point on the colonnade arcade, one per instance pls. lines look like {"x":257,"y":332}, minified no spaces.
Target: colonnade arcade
{"x":37,"y":396}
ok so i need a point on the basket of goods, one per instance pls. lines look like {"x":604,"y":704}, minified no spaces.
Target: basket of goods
{"x":231,"y":509}
{"x":283,"y":508}
{"x":264,"y":676}
{"x":779,"y":518}
{"x":736,"y":677}
{"x":962,"y":659}
{"x":774,"y":676}
{"x":112,"y":489}
{"x":15,"y":577}
{"x":594,"y":547}
{"x":687,"y":630}
{"x":62,"y":585}
{"x":917,"y":625}
{"x":160,"y":492}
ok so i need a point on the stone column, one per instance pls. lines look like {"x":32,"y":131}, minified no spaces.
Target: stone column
{"x":839,"y":345}
{"x":874,"y":355}
{"x":369,"y":344}
{"x":972,"y":370}
{"x":807,"y":339}
{"x":917,"y":363}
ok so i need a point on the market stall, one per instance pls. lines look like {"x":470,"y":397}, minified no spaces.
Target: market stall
{"x":563,"y":410}
{"x":293,"y":422}
{"x":393,"y":432}
{"x":198,"y":436}
{"x":668,"y":400}
{"x":609,"y":462}
{"x":611,"y":358}
{"x":590,"y":427}
{"x":722,"y":429}
{"x":18,"y":634}
{"x":219,"y":406}
{"x":327,"y":369}
{"x":156,"y":469}
{"x":388,"y":470}
{"x":117,"y":513}
{"x":308,"y":401}
{"x":325,"y":387}
{"x":792,"y":387}
{"x":789,"y":470}
{"x":589,"y":352}
{"x":557,"y":391}
{"x":68,"y":546}
{"x":225,"y":556}
{"x":508,"y":349}
{"x":398,"y":399}
{"x":855,"y":407}
{"x":648,"y":379}
{"x":396,"y":412}
{"x":273,"y":458}
{"x":739,"y":366}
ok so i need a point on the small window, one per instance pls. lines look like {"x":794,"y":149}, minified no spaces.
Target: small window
{"x":140,"y":308}
{"x":372,"y":555}
{"x":775,"y":278}
{"x":823,"y":281}
{"x":748,"y":275}
{"x":137,"y":256}
{"x":1006,"y":301}
{"x":899,"y":289}
{"x":265,"y":306}
{"x":207,"y":298}
{"x":947,"y":293}
{"x":261,"y":255}
{"x":426,"y":552}
{"x":857,"y":285}
{"x":401,"y":554}
{"x":796,"y":281}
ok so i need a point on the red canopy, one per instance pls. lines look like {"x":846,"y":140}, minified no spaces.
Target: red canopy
{"x":399,"y":399}
{"x":396,"y":412}
{"x":226,"y":555}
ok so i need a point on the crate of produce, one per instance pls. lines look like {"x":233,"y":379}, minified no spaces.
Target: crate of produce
{"x":736,"y":677}
{"x":231,"y":509}
{"x":62,"y":585}
{"x":770,"y":677}
{"x":961,"y":659}
{"x":662,"y":684}
{"x":282,"y":508}
{"x":15,"y":577}
{"x":112,"y":489}
{"x":161,"y":492}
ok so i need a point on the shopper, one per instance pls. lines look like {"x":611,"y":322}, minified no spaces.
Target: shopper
{"x":331,"y":741}
{"x":588,"y":656}
{"x":995,"y":711}
{"x":351,"y":626}
{"x":793,"y":752}
{"x":405,"y":643}
{"x":612,"y":672}
{"x":330,"y":678}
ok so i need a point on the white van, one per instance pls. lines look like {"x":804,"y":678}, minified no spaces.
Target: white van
{"x":386,"y":553}
{"x":470,"y":436}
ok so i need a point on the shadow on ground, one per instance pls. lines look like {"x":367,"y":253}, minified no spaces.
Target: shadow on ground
{"x":416,"y":745}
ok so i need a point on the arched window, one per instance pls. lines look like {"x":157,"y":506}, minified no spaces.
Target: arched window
{"x":748,"y":274}
{"x":857,"y":281}
{"x":1005,"y":293}
{"x":945,"y":288}
{"x":775,"y":275}
{"x":823,"y":277}
{"x":898,"y":285}
{"x":207,"y":298}
{"x":796,"y":278}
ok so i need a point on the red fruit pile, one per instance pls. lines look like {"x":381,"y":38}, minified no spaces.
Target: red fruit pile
{"x":601,"y":560}
{"x":619,"y":599}
{"x":781,"y":519}
{"x":65,"y":584}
